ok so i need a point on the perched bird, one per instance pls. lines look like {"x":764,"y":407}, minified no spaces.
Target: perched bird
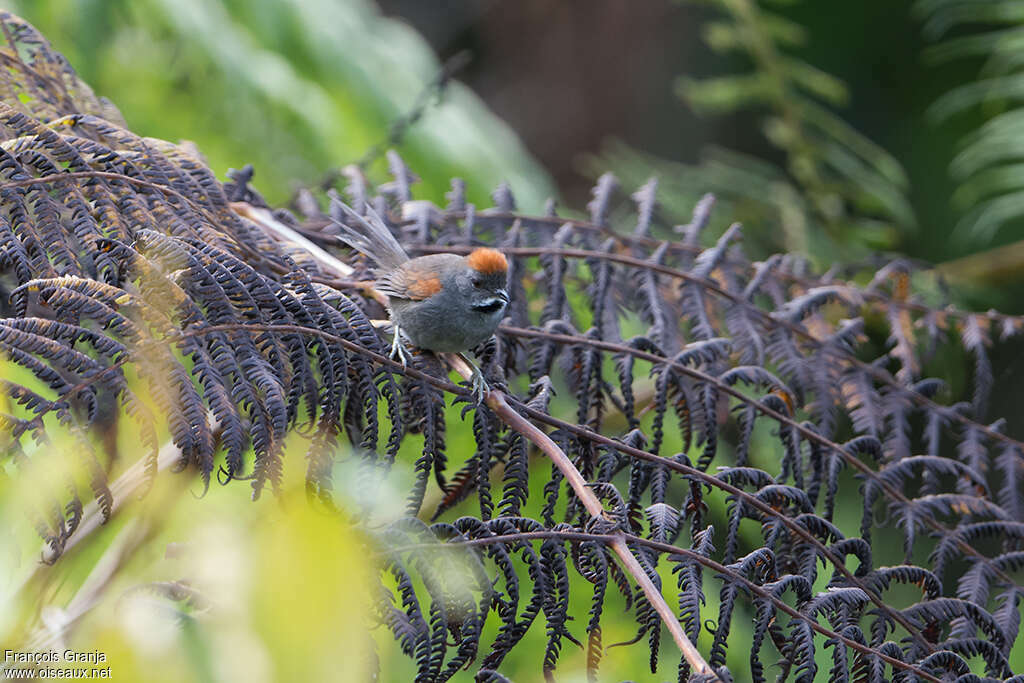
{"x":439,"y":302}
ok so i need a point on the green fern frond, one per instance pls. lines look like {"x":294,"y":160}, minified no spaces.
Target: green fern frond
{"x":837,"y":187}
{"x":988,"y":168}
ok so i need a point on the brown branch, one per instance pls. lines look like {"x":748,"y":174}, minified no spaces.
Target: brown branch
{"x":206,"y":209}
{"x":556,"y":222}
{"x":108,"y":175}
{"x":706,"y":478}
{"x":617,"y":541}
{"x":808,"y":434}
{"x":644,"y":455}
{"x":306,"y":237}
{"x":500,"y":406}
{"x":496,"y":401}
{"x":875,"y":372}
{"x":278,"y":230}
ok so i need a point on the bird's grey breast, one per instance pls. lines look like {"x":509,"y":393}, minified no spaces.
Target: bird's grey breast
{"x":449,"y":321}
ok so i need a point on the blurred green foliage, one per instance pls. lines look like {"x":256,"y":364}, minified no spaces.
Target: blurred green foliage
{"x":908,"y":143}
{"x":176,"y":589}
{"x":295,"y":88}
{"x":834,"y":196}
{"x":990,"y":195}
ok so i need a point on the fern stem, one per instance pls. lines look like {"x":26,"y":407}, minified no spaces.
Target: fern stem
{"x":703,"y":476}
{"x":282,"y":232}
{"x":876,"y":373}
{"x":616,"y":541}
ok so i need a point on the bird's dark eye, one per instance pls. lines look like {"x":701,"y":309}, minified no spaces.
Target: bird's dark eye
{"x":479,"y":284}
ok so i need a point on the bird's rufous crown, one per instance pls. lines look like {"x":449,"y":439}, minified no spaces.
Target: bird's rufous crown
{"x":487,"y":261}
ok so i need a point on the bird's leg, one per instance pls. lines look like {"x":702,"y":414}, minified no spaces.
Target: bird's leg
{"x":480,"y":387}
{"x":398,"y":350}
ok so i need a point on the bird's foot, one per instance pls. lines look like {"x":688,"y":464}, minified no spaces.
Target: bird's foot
{"x":477,"y":381}
{"x":398,"y":350}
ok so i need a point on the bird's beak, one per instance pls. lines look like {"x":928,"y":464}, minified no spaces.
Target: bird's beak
{"x":503,"y":295}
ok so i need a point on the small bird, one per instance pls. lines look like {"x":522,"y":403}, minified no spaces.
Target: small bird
{"x":439,"y":302}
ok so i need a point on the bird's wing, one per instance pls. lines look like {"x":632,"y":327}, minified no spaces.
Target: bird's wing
{"x":416,"y":279}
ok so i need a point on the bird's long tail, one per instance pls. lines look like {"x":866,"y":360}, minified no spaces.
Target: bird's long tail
{"x":368,"y":235}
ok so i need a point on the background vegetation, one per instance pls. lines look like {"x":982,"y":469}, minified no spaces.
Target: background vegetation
{"x":822,"y":141}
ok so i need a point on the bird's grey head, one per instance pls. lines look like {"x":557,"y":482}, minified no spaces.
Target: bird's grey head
{"x":485,"y":282}
{"x":488,"y":294}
